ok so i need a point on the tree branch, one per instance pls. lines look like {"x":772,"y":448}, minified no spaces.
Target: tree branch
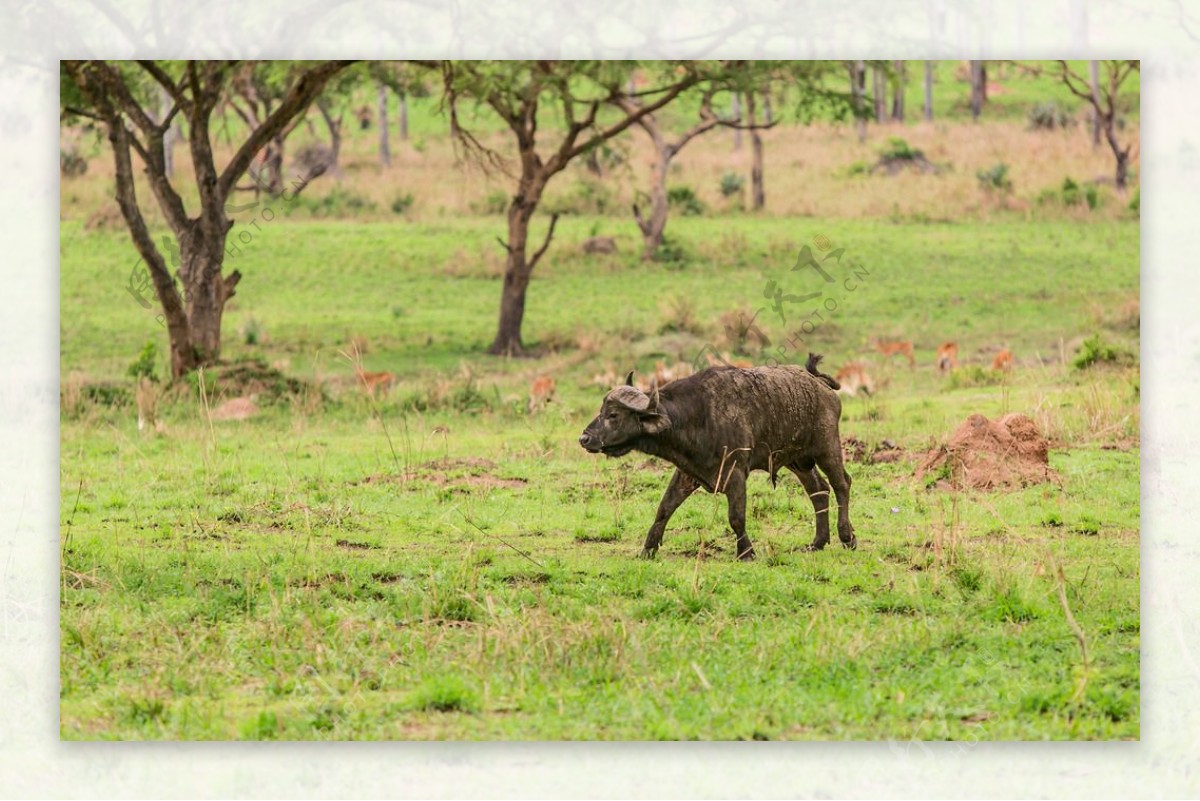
{"x":549,"y":234}
{"x":307,"y":87}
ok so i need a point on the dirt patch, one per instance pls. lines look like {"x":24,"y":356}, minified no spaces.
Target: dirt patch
{"x":356,"y":546}
{"x":992,"y":454}
{"x":254,"y":378}
{"x":884,"y":451}
{"x":469,"y":462}
{"x":235,"y":409}
{"x":441,"y":479}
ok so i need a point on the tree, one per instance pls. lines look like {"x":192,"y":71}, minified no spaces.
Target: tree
{"x":665,"y":150}
{"x":518,"y":91}
{"x":978,"y":89}
{"x":256,"y":89}
{"x":900,"y":79}
{"x":858,"y":82}
{"x":385,"y":150}
{"x":929,"y":91}
{"x":1103,"y":101}
{"x":117,"y":95}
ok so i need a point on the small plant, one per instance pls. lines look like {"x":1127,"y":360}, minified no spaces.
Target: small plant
{"x":71,"y":164}
{"x":732,"y":184}
{"x":444,"y":693}
{"x":672,"y":254}
{"x":1072,"y":194}
{"x":995,"y":179}
{"x":858,"y":168}
{"x":252,"y":333}
{"x":679,"y":316}
{"x":897,"y":149}
{"x":146,"y":364}
{"x":1135,"y":204}
{"x":1049,"y":116}
{"x":685,"y":200}
{"x":1094,"y":351}
{"x":402,"y":203}
{"x":1088,"y":526}
{"x":495,"y":203}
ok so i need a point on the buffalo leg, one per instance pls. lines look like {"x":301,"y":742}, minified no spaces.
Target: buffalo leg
{"x":835,"y":471}
{"x":682,"y":485}
{"x":818,"y":492}
{"x":735,"y":493}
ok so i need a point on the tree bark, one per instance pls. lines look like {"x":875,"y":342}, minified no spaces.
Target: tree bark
{"x":1094,"y":68}
{"x":976,"y":89}
{"x":334,"y":126}
{"x":898,"y":93}
{"x":879,"y":90}
{"x":404,"y":118}
{"x":757,"y":192}
{"x":735,"y":111}
{"x":654,"y":227}
{"x":857,"y":85}
{"x":929,"y":91}
{"x":385,"y":149}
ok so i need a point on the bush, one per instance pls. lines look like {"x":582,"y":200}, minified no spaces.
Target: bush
{"x":672,"y":254}
{"x":685,"y":201}
{"x":495,"y":203}
{"x":995,"y":179}
{"x":402,"y":203}
{"x":1049,"y":116}
{"x":146,"y":364}
{"x":338,"y":203}
{"x":252,"y":333}
{"x":1135,"y":205}
{"x":897,"y":149}
{"x":71,"y":164}
{"x":731,"y":184}
{"x":1095,"y":351}
{"x":1072,"y":194}
{"x":585,"y":197}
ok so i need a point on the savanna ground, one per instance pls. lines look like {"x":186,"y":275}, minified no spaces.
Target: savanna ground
{"x":440,"y":563}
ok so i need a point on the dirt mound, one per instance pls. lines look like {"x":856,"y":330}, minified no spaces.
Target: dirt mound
{"x":254,"y":378}
{"x":992,"y":454}
{"x":235,"y":409}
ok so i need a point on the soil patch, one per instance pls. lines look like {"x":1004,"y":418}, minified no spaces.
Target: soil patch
{"x":992,"y":454}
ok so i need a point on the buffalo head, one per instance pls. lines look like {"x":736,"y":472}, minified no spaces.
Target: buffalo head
{"x":626,"y":415}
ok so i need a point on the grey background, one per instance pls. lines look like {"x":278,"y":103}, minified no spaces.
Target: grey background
{"x":1164,"y":33}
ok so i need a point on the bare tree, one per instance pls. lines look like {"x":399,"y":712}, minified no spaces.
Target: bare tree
{"x":1103,"y":101}
{"x":929,"y":91}
{"x":110,"y":93}
{"x":385,"y":150}
{"x":879,"y":87}
{"x":900,"y":79}
{"x":515,"y":90}
{"x":858,"y":77}
{"x":1094,"y":74}
{"x":758,"y":193}
{"x":978,"y":89}
{"x":665,"y":150}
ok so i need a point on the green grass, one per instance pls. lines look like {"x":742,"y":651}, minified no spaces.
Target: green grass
{"x":333,"y":573}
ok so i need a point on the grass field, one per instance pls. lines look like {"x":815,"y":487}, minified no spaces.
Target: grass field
{"x":443,"y":564}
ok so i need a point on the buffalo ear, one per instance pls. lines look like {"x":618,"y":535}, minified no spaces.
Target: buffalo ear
{"x":655,"y":422}
{"x":629,"y":379}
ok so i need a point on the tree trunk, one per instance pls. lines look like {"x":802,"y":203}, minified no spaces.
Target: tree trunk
{"x":880,"y":93}
{"x":756,"y":165}
{"x":858,"y":78}
{"x":735,"y":111}
{"x":404,"y":118}
{"x":767,"y":106}
{"x":205,"y":294}
{"x":334,"y":126}
{"x":654,"y":227}
{"x":165,"y":104}
{"x":1095,"y":76}
{"x":518,"y":267}
{"x":385,"y":149}
{"x":976,"y":89}
{"x":898,"y":93}
{"x":929,"y":91}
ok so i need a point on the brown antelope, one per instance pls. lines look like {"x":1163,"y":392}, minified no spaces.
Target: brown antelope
{"x":1003,"y":360}
{"x":854,"y":377}
{"x":541,"y":393}
{"x":373,"y":382}
{"x":947,"y":357}
{"x":890,"y":348}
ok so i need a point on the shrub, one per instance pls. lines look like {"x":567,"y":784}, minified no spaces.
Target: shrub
{"x":338,"y":203}
{"x":146,"y":364}
{"x":672,"y":254}
{"x":897,"y":149}
{"x":585,"y":197}
{"x":1072,"y":194}
{"x":995,"y":179}
{"x":402,"y":203}
{"x":685,"y":200}
{"x":731,"y":184}
{"x":1049,"y":116}
{"x":444,"y":693}
{"x":1135,"y":205}
{"x":252,"y":331}
{"x":71,"y":164}
{"x":1095,"y":351}
{"x":495,"y":203}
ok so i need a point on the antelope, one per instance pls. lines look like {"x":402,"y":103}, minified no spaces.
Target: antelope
{"x":947,"y":357}
{"x":890,"y":348}
{"x":1003,"y":360}
{"x":541,"y":393}
{"x":376,"y":381}
{"x":854,"y":376}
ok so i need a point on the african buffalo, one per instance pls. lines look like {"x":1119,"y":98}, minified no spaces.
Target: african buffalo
{"x":718,"y":425}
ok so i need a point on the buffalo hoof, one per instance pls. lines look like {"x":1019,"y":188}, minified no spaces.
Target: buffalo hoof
{"x":813,"y":547}
{"x":648,"y":553}
{"x":851,"y":543}
{"x":747,"y":555}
